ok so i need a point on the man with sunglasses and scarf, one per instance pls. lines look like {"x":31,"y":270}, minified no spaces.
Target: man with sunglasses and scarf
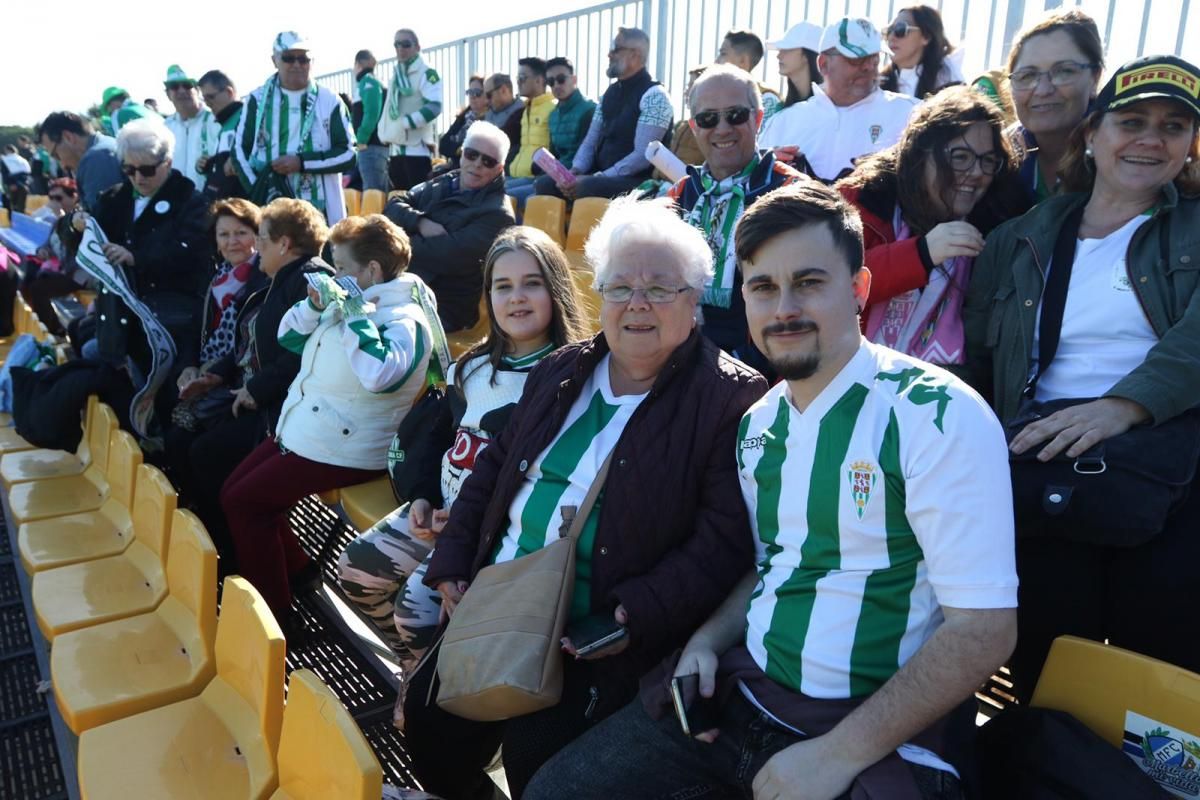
{"x":726,"y":112}
{"x":414,"y":101}
{"x":197,"y":132}
{"x":294,"y":138}
{"x":451,"y":222}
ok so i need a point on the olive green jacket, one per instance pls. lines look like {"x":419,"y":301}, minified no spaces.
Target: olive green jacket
{"x":1001,"y":307}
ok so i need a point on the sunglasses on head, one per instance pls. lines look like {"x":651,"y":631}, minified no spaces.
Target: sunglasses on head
{"x":899,"y":29}
{"x":471,"y":154}
{"x":177,"y":85}
{"x":559,"y":79}
{"x":144,"y":171}
{"x":295,"y":59}
{"x":404,"y":43}
{"x":711,"y":119}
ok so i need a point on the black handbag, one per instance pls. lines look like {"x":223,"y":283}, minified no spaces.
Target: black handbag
{"x":415,"y":458}
{"x":1122,"y":490}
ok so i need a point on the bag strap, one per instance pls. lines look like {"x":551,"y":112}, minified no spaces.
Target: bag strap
{"x":1054,"y":296}
{"x":574,"y":518}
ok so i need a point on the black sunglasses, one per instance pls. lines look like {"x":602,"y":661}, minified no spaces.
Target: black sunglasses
{"x":144,"y":171}
{"x":560,"y":79}
{"x":899,"y":29}
{"x":295,"y":59}
{"x":711,"y":119}
{"x":404,"y":43}
{"x":174,"y":85}
{"x":470,"y":154}
{"x":474,"y":93}
{"x":58,"y":198}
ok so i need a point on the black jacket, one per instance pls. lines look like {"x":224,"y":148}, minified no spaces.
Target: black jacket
{"x":277,"y":365}
{"x":452,"y":264}
{"x":173,"y":264}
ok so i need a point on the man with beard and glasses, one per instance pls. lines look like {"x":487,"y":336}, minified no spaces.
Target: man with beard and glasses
{"x":885,"y":588}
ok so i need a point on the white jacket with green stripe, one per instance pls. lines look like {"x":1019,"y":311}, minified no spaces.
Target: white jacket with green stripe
{"x":358,"y":377}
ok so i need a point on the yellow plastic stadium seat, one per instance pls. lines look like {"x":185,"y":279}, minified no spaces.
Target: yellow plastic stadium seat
{"x":460,"y":342}
{"x":367,"y":503}
{"x":322,"y":753}
{"x":547,"y":214}
{"x":11,"y":441}
{"x":373,"y":201}
{"x":41,"y":463}
{"x":58,"y":541}
{"x":5,"y":222}
{"x":35,"y":201}
{"x":589,"y":298}
{"x":221,"y":744}
{"x":586,"y":212}
{"x":353,"y":202}
{"x":58,"y":497}
{"x":133,"y":582}
{"x":512,"y":203}
{"x":127,"y":666}
{"x":1098,"y":683}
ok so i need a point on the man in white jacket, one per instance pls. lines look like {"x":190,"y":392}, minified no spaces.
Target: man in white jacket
{"x":197,"y":132}
{"x":414,"y":101}
{"x":848,"y":116}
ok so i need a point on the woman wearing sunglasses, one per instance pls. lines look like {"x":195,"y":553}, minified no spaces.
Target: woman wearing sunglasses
{"x":452,"y":221}
{"x":923,"y":61}
{"x":51,"y":272}
{"x":450,"y":145}
{"x":926,"y":204}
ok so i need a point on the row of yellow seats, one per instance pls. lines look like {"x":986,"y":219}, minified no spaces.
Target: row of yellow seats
{"x":360,"y":204}
{"x":32,"y":203}
{"x":169,"y":700}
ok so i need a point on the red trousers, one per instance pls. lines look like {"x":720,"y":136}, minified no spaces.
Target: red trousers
{"x":257,"y":498}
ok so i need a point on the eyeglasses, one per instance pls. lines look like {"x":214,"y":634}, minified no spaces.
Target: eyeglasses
{"x":1060,"y":74}
{"x":900,"y":29}
{"x":474,"y":93}
{"x":613,"y":51}
{"x":295,"y":59}
{"x":54,"y":149}
{"x":58,"y":198}
{"x":146,"y":171}
{"x":471,"y":154}
{"x":711,"y":119}
{"x":620,"y":293}
{"x":404,"y":43}
{"x":558,"y":79}
{"x":175,"y":86}
{"x":962,"y":159}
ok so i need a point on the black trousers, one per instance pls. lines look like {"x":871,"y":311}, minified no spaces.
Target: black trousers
{"x":43,"y":287}
{"x":450,"y":753}
{"x":1139,"y":598}
{"x":406,"y":172}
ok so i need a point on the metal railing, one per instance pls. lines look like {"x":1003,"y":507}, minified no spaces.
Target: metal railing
{"x":685,"y":33}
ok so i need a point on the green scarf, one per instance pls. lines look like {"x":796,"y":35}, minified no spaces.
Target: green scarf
{"x":269,"y":145}
{"x":716,"y":214}
{"x":401,"y":87}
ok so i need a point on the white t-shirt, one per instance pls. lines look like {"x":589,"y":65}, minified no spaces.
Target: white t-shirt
{"x":1105,"y":333}
{"x":194,"y":138}
{"x":831,"y":137}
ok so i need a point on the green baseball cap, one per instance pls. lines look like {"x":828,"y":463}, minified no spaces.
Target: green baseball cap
{"x":175,"y":74}
{"x":112,"y":93}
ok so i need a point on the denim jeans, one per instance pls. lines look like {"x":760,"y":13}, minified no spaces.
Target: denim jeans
{"x":372,"y":166}
{"x":632,"y":757}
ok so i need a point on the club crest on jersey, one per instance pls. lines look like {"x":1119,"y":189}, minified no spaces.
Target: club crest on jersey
{"x":876,"y":132}
{"x":862,"y":476}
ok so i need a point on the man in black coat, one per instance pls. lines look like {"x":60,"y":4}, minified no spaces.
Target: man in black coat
{"x":452,"y":221}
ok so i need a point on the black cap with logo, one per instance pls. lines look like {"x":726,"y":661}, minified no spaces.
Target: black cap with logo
{"x":1150,"y":77}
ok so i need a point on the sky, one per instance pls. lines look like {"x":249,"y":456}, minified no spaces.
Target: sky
{"x":64,"y":57}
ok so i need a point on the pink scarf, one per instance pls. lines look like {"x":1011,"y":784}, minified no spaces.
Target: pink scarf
{"x":925,"y":323}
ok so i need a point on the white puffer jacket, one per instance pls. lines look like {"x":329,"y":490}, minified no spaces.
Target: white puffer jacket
{"x":357,"y":378}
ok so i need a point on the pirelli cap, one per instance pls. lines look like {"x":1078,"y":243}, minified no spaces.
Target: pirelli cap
{"x":853,"y":37}
{"x":290,"y":40}
{"x":1151,"y":77}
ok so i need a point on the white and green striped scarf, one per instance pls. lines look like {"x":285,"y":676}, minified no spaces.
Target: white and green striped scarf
{"x":401,"y":87}
{"x":270,"y":143}
{"x":716,"y":213}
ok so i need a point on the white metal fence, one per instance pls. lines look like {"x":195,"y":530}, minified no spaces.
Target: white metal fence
{"x":685,"y":33}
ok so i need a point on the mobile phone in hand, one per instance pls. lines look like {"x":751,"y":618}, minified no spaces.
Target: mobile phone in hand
{"x":594,"y":633}
{"x":696,"y":713}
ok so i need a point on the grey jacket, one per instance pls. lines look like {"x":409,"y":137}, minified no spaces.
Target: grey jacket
{"x":1004,"y":296}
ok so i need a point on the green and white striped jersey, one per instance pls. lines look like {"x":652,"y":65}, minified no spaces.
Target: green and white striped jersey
{"x":561,"y":476}
{"x":886,"y":499}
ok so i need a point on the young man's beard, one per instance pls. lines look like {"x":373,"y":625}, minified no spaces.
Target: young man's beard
{"x":793,"y":367}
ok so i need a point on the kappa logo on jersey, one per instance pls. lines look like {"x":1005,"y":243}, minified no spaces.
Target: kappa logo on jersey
{"x":862,"y":476}
{"x":920,"y":389}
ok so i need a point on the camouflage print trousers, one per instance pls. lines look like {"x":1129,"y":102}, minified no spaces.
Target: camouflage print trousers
{"x":381,"y":573}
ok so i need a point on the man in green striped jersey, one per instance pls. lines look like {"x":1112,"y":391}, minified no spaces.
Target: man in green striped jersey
{"x":885,"y":588}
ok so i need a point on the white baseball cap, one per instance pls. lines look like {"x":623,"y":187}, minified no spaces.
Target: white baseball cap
{"x":290,"y":40}
{"x":853,"y":37}
{"x":805,"y":35}
{"x":802,"y":34}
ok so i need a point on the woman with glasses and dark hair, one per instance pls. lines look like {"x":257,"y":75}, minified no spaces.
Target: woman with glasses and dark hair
{"x":923,"y":60}
{"x":926,"y":204}
{"x":452,"y":221}
{"x":450,"y":145}
{"x":51,"y":272}
{"x":1054,"y":72}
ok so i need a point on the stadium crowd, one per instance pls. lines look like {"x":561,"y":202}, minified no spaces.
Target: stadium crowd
{"x":816,"y":442}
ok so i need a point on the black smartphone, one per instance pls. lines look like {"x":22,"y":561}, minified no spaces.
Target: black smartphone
{"x":696,"y":713}
{"x":594,"y":633}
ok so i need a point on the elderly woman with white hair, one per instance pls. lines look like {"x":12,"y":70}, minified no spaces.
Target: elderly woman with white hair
{"x":452,"y":221}
{"x":668,"y":536}
{"x":157,"y":229}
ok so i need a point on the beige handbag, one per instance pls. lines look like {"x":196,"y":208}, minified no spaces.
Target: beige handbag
{"x":501,"y":656}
